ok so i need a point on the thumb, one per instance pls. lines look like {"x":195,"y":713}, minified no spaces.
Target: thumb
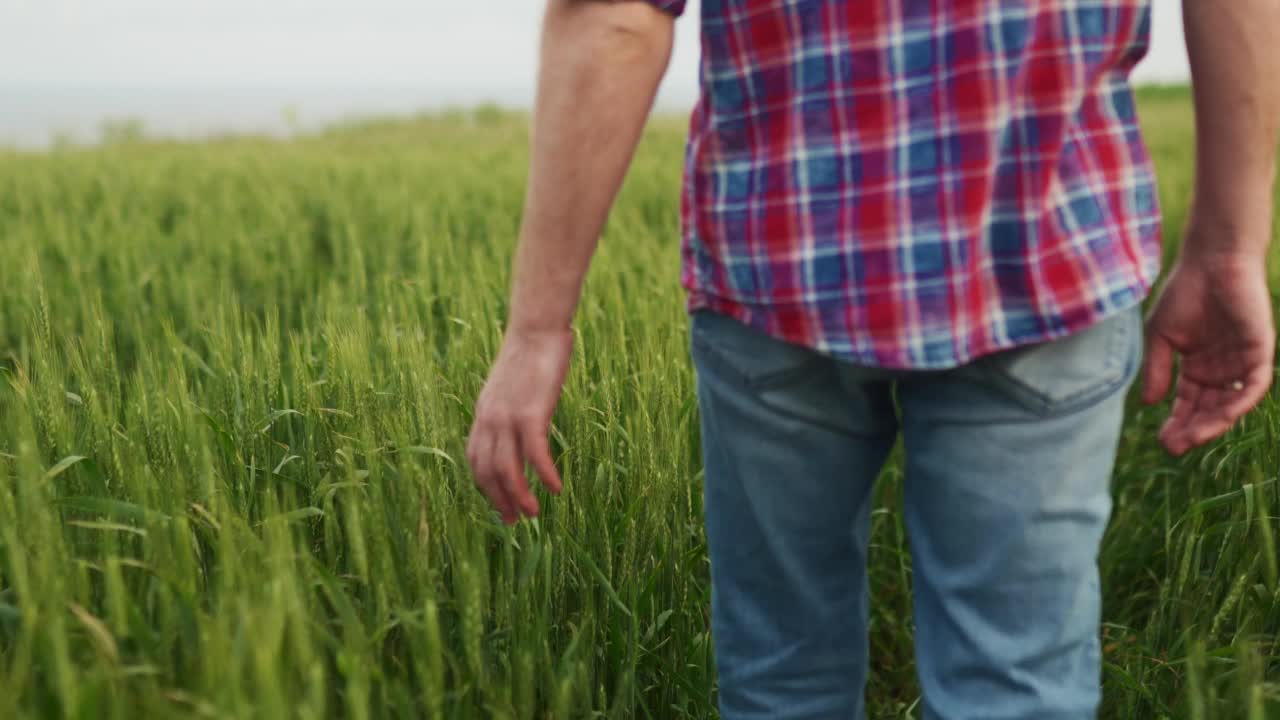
{"x":1157,"y":368}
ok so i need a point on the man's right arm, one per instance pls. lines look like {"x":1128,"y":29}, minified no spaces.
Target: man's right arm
{"x":601,"y":65}
{"x":1235,"y":63}
{"x":1215,"y":309}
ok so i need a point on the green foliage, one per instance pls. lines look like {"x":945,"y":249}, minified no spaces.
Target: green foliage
{"x":237,"y":378}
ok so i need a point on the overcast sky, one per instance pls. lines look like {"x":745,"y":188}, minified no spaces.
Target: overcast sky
{"x":199,"y":65}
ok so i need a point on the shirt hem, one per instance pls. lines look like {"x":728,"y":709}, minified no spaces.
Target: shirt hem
{"x":768,"y":318}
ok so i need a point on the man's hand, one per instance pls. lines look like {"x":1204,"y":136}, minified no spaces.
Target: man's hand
{"x":600,"y":68}
{"x":1216,"y":313}
{"x":1215,"y":309}
{"x":513,"y":417}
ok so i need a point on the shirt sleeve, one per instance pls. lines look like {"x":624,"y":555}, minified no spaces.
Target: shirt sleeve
{"x":671,"y":7}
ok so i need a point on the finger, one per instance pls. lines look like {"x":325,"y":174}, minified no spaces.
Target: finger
{"x":1220,"y":409}
{"x":1256,"y":385}
{"x":1174,"y":432}
{"x":1210,"y":419}
{"x":510,"y":472}
{"x":1157,"y":369}
{"x":533,"y":443}
{"x":480,"y":455}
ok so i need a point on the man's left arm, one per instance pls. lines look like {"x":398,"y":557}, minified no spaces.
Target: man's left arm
{"x":601,"y":64}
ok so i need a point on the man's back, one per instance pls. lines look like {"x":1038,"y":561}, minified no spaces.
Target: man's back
{"x":916,"y":184}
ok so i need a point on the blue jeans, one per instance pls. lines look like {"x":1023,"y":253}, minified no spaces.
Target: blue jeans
{"x":1007,"y":495}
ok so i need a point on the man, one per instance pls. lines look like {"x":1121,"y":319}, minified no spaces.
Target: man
{"x":947,"y":203}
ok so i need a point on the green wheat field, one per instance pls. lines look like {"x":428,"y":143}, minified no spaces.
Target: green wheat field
{"x":236,"y":378}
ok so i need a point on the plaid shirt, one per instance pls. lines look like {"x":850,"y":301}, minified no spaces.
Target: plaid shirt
{"x":912,"y":184}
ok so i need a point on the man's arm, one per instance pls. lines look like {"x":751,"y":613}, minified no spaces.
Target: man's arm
{"x":601,"y":64}
{"x":1215,"y":309}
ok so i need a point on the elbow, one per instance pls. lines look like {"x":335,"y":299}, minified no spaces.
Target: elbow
{"x":634,"y":20}
{"x":626,"y":29}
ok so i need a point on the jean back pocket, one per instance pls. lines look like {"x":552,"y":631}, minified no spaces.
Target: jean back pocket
{"x":1074,"y":372}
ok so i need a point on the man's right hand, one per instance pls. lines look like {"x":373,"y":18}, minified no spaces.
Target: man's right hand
{"x":1214,"y":311}
{"x":513,"y":418}
{"x":600,"y":67}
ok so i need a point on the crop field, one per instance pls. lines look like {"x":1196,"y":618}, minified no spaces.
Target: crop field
{"x":236,"y":378}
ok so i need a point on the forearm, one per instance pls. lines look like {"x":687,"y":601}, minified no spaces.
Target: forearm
{"x":601,"y":64}
{"x":1235,"y":63}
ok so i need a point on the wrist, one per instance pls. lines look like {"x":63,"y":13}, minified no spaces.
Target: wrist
{"x":1230,"y":235}
{"x":1239,"y":210}
{"x":1227,"y":264}
{"x":544,"y":306}
{"x":526,"y":327}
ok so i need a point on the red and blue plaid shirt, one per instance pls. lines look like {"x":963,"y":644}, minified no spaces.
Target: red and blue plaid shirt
{"x":918,"y":183}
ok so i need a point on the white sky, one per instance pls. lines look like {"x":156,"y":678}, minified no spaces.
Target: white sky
{"x":191,"y":65}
